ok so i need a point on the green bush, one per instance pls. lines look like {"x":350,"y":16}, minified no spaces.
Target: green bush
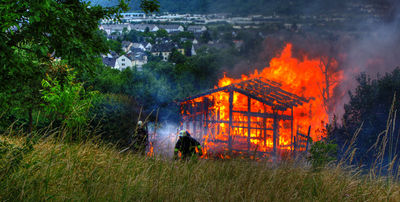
{"x":114,"y":118}
{"x":66,"y":101}
{"x":322,"y":153}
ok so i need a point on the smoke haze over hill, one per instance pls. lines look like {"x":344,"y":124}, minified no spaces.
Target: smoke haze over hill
{"x":267,"y":7}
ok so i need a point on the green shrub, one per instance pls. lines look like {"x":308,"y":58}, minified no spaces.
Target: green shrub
{"x":114,"y":118}
{"x":66,"y":101}
{"x":322,"y":153}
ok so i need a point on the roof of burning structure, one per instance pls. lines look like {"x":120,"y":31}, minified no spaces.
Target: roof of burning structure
{"x":263,"y":90}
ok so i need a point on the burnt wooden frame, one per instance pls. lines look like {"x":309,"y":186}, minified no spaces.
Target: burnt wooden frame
{"x":265,"y":91}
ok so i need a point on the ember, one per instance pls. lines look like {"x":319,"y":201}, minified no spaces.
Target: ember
{"x":258,"y":114}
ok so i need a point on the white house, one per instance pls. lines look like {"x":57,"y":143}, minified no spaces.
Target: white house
{"x":197,"y":28}
{"x":139,"y":46}
{"x":122,"y":63}
{"x":147,"y":46}
{"x":193,"y":51}
{"x":142,"y":27}
{"x":172,"y":28}
{"x":115,"y":28}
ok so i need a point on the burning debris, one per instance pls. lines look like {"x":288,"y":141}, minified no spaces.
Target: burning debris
{"x":257,"y":115}
{"x":245,"y":116}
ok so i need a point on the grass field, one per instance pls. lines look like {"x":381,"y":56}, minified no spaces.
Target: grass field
{"x":89,"y":172}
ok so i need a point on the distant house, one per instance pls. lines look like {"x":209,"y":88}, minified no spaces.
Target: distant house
{"x":126,"y":45}
{"x":172,"y":28}
{"x":138,"y":59}
{"x":195,"y":41}
{"x":147,"y":46}
{"x":162,"y":40}
{"x":109,"y":61}
{"x":164,"y":50}
{"x":138,"y":46}
{"x":122,"y":63}
{"x":193,"y":51}
{"x":197,"y":28}
{"x":118,"y":28}
{"x":143,"y":27}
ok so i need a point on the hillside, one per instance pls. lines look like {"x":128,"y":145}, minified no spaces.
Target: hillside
{"x":90,"y":172}
{"x":266,"y":7}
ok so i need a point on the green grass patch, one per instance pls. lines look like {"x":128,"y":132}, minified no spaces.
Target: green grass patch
{"x":59,"y":171}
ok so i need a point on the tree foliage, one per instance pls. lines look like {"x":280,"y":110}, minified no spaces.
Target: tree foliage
{"x":33,"y":33}
{"x":369,"y":106}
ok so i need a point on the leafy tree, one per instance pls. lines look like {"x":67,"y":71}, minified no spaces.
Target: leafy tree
{"x":133,"y":36}
{"x":205,"y":37}
{"x":115,"y":46}
{"x":147,"y":30}
{"x":34,"y":32}
{"x":178,"y":36}
{"x":68,"y":103}
{"x":187,"y":45}
{"x":177,"y":57}
{"x":369,"y":106}
{"x":162,"y":33}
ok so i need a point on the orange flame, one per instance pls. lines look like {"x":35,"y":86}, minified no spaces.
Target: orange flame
{"x":305,"y":78}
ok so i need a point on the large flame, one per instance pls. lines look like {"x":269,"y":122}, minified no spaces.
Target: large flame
{"x":304,"y":77}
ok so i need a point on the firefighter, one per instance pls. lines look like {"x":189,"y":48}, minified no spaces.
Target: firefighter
{"x":141,"y":138}
{"x":187,"y":146}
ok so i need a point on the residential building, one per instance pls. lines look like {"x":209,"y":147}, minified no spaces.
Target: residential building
{"x":118,"y":28}
{"x":196,"y":28}
{"x":139,"y":46}
{"x":193,"y":51}
{"x":109,"y":61}
{"x":138,"y":59}
{"x":122,"y":63}
{"x":164,"y":50}
{"x":143,"y":27}
{"x":147,"y":46}
{"x":126,"y":45}
{"x":172,"y":28}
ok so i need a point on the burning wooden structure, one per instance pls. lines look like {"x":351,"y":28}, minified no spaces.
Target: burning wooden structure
{"x":254,"y":115}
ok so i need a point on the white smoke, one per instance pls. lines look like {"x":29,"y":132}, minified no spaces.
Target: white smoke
{"x":163,"y":138}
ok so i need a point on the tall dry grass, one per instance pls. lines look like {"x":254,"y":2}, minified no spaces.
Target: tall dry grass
{"x":89,"y":171}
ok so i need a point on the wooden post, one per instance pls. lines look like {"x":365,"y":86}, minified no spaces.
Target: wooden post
{"x":230,"y":120}
{"x":188,"y":117}
{"x":194,"y":122}
{"x":291,"y":135}
{"x":248,"y":123}
{"x":218,"y":120}
{"x":265,"y":126}
{"x":181,"y":117}
{"x":275,"y":137}
{"x":295,"y":141}
{"x":201,"y":119}
{"x":213,"y":118}
{"x":308,"y":137}
{"x":205,"y":126}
